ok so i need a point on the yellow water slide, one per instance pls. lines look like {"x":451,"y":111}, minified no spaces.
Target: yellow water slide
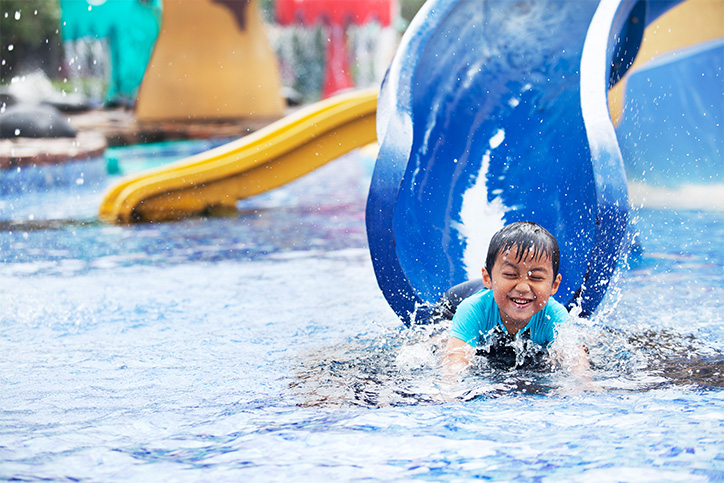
{"x":214,"y":180}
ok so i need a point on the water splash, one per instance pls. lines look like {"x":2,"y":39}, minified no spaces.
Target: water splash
{"x":403,"y":367}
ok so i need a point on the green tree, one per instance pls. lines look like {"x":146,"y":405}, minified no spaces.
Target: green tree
{"x":408,"y":9}
{"x":29,"y":37}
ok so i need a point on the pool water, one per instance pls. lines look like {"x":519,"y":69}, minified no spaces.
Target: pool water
{"x":260,"y":348}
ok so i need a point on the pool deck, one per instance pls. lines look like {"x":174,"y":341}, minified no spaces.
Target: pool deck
{"x":100,"y":128}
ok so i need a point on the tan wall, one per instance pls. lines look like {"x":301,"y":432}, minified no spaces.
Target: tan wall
{"x":690,"y":23}
{"x":205,"y":67}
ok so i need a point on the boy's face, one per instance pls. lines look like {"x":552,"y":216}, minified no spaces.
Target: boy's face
{"x":521,"y":288}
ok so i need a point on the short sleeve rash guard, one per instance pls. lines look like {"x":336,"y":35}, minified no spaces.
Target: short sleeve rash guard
{"x":477,"y":316}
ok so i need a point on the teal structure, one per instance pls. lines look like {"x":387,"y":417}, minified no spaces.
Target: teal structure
{"x":131,"y":27}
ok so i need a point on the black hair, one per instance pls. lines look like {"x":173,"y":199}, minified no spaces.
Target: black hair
{"x":525,"y":235}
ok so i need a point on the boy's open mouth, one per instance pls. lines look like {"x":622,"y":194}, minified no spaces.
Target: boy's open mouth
{"x":521,"y":302}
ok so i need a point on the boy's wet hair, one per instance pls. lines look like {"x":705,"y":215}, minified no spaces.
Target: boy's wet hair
{"x":525,"y":235}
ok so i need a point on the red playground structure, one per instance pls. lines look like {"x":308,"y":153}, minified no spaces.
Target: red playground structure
{"x":337,"y":15}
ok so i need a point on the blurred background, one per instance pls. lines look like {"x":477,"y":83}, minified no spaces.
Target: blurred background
{"x":98,"y":50}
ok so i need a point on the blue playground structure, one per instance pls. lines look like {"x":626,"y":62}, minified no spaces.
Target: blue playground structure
{"x":685,"y":105}
{"x":494,"y":112}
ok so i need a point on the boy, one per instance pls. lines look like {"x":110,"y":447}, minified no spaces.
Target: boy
{"x":520,"y":276}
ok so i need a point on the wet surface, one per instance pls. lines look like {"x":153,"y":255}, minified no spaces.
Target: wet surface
{"x":257,"y":345}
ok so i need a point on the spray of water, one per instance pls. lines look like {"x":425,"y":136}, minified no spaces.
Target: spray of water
{"x":402,"y":367}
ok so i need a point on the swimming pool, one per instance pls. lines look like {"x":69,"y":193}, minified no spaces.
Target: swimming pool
{"x":259,"y":347}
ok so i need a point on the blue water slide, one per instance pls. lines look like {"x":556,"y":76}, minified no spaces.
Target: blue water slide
{"x":495,"y":111}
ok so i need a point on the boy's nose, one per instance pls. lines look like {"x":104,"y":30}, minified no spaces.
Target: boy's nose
{"x":523,"y":286}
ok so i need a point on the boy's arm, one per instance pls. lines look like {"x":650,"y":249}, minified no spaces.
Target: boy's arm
{"x":458,"y":357}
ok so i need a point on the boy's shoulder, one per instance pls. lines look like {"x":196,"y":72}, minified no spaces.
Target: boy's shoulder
{"x":481,"y":303}
{"x":555,"y":309}
{"x":483,"y":296}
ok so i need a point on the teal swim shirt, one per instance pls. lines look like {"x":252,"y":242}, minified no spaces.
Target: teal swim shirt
{"x":477,"y":316}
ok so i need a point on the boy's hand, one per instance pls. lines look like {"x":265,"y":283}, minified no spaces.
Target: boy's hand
{"x":457,"y":359}
{"x":573,"y":360}
{"x":576,"y":363}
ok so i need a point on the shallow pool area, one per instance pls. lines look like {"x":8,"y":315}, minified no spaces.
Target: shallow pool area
{"x":259,"y":347}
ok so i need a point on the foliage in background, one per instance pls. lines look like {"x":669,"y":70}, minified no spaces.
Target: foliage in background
{"x":408,"y":9}
{"x":29,"y":37}
{"x":266,"y":8}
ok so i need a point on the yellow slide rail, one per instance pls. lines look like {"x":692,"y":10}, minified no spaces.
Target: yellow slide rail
{"x":214,"y":180}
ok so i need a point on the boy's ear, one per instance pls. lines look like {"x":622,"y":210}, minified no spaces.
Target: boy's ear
{"x":556,"y":284}
{"x":486,"y":279}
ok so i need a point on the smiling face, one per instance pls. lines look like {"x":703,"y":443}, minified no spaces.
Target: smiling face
{"x":521,"y":285}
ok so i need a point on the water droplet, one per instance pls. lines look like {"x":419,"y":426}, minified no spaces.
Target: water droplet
{"x":497,"y":138}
